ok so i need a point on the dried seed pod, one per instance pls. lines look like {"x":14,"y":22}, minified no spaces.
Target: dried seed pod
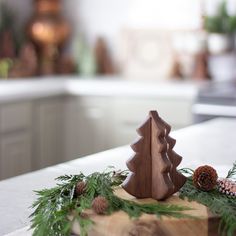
{"x":80,"y":188}
{"x":205,"y":178}
{"x":227,"y":187}
{"x":100,"y":205}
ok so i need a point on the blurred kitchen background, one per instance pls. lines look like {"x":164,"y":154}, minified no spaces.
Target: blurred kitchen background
{"x":79,"y":76}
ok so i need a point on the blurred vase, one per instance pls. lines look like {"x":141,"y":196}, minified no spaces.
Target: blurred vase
{"x":219,"y":43}
{"x":48,"y":30}
{"x":222,"y":67}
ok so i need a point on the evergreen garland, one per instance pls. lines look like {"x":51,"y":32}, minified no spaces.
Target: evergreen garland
{"x":218,"y":203}
{"x":53,"y":206}
{"x":232,"y":172}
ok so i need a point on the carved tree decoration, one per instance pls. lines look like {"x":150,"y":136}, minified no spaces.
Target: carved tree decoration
{"x":154,"y":164}
{"x":177,"y":178}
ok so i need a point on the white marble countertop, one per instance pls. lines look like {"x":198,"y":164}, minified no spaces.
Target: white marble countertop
{"x":11,"y":90}
{"x":210,"y":143}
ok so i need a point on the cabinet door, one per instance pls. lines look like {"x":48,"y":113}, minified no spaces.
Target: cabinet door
{"x":15,"y":117}
{"x":15,"y":157}
{"x":93,"y":125}
{"x":72,"y":129}
{"x":49,"y":133}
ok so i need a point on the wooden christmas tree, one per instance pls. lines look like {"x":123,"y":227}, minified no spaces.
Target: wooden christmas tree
{"x":177,"y":178}
{"x":153,"y":167}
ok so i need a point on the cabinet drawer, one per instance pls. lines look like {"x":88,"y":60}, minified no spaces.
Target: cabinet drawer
{"x":15,"y":154}
{"x":15,"y":117}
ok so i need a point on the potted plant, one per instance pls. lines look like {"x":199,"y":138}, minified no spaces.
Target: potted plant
{"x":221,"y":28}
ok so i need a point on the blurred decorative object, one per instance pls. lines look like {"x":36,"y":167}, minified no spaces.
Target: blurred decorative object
{"x":49,"y":31}
{"x":191,"y":54}
{"x":84,"y":57}
{"x":221,"y":27}
{"x":222,"y":67}
{"x":5,"y":65}
{"x":146,"y":54}
{"x":200,"y":70}
{"x":27,"y":63}
{"x":7,"y":46}
{"x":87,"y":63}
{"x":103,"y":58}
{"x":219,"y":43}
{"x":176,"y":70}
{"x":7,"y":41}
{"x":221,"y":22}
{"x":65,"y":65}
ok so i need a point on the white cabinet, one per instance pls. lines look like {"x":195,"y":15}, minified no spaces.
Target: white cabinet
{"x":45,"y":131}
{"x":87,"y":127}
{"x":98,"y":123}
{"x":15,"y":116}
{"x":15,"y":139}
{"x":48,"y":132}
{"x":72,"y":129}
{"x":15,"y":153}
{"x":93,"y":124}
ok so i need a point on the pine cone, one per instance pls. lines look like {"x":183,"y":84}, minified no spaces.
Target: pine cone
{"x":80,"y":188}
{"x":227,"y":187}
{"x":100,"y":205}
{"x":205,"y":178}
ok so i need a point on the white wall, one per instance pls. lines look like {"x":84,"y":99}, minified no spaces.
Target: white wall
{"x":109,"y":17}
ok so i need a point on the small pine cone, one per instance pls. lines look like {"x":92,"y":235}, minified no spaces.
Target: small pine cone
{"x":100,"y":205}
{"x":80,"y":188}
{"x":227,"y":187}
{"x":205,"y":178}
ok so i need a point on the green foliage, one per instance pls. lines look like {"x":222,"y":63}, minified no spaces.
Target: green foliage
{"x":9,"y":23}
{"x":218,"y":203}
{"x":232,"y":172}
{"x":5,"y":65}
{"x":53,"y":206}
{"x":6,"y":17}
{"x":220,"y":23}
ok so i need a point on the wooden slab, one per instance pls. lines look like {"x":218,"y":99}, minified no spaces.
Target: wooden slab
{"x":119,"y":223}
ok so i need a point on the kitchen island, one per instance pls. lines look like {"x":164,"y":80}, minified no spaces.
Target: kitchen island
{"x":207,"y":143}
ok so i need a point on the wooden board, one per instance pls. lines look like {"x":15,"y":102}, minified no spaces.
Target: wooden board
{"x":119,"y":223}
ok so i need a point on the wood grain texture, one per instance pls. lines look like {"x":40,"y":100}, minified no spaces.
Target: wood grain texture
{"x":138,"y":183}
{"x":153,"y":166}
{"x":119,"y":223}
{"x":162,"y":186}
{"x":177,"y":178}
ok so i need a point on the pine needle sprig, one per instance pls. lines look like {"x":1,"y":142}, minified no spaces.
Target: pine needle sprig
{"x":51,"y":208}
{"x":232,"y":172}
{"x":54,"y":206}
{"x":186,"y":171}
{"x":218,"y":203}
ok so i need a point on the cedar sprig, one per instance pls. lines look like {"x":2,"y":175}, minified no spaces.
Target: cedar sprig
{"x":232,"y":172}
{"x":218,"y":203}
{"x":187,"y":171}
{"x":53,"y":206}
